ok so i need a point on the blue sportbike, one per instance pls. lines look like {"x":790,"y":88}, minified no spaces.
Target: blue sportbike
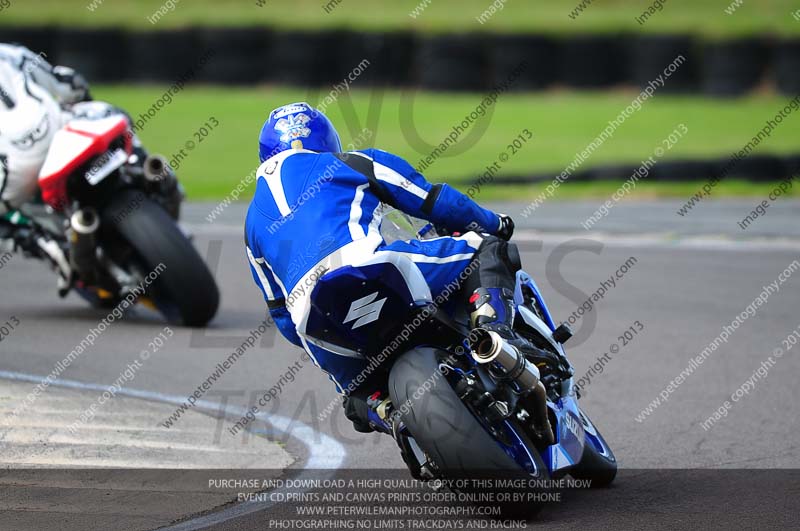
{"x":458,"y":401}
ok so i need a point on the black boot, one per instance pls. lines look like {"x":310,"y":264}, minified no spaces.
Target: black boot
{"x":493,"y":309}
{"x":356,"y":410}
{"x":7,"y":242}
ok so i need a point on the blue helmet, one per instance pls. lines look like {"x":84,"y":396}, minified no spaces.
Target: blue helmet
{"x":297,"y":126}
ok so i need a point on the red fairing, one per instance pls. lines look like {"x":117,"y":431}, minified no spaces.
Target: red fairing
{"x":72,"y":146}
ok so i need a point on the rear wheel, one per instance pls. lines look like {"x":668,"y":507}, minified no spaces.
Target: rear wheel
{"x":184,"y":290}
{"x":457,"y":444}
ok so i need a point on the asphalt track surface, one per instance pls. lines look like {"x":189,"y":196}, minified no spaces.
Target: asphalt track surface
{"x":691,"y":276}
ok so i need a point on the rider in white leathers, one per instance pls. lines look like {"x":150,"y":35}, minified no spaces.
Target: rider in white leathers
{"x":33,"y":95}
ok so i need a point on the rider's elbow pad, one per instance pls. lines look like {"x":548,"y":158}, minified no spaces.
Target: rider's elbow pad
{"x":449,"y":207}
{"x":284,"y":323}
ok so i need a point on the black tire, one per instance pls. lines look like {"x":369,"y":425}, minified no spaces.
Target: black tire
{"x":302,"y":58}
{"x":185,"y":291}
{"x":732,"y":68}
{"x":648,"y":55}
{"x":98,"y":54}
{"x":534,"y":57}
{"x":444,"y":427}
{"x":599,"y":469}
{"x":787,"y":66}
{"x":452,"y":62}
{"x":591,"y":61}
{"x":236,"y":50}
{"x":161,"y":56}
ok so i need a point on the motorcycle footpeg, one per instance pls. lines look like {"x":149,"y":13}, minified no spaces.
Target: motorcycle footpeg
{"x":497,"y":411}
{"x":562,"y":333}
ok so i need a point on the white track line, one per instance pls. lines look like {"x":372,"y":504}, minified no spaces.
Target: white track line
{"x":664,"y":240}
{"x":326,"y":453}
{"x":659,"y":240}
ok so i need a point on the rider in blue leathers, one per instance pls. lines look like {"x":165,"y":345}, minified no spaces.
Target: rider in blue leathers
{"x":316,"y":209}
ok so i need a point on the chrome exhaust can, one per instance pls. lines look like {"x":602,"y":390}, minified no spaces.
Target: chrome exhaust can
{"x":156,"y":168}
{"x":83,"y":242}
{"x":158,"y":173}
{"x":489,"y":348}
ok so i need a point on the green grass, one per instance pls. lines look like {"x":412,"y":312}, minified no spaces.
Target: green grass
{"x":562,"y":124}
{"x":551,"y":16}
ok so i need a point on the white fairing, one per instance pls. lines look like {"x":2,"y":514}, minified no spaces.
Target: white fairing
{"x":96,"y":127}
{"x":537,"y":324}
{"x":66,"y":145}
{"x":74,"y":139}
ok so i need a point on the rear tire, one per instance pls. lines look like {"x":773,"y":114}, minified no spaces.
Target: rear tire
{"x":185,"y":291}
{"x":457,"y":443}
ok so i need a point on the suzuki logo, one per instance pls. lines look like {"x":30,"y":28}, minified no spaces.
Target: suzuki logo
{"x":364,"y":310}
{"x":572,"y":425}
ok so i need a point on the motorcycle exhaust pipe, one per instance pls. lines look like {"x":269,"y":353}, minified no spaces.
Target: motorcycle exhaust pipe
{"x":83,"y":242}
{"x":156,"y":168}
{"x":159,"y":174}
{"x":489,"y":348}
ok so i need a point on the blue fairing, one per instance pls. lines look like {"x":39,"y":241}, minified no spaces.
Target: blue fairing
{"x":336,"y":314}
{"x":569,"y":432}
{"x":524,"y":280}
{"x":570,"y":435}
{"x":360,"y":308}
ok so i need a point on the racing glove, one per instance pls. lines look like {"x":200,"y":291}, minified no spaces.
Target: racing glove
{"x":506,"y":228}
